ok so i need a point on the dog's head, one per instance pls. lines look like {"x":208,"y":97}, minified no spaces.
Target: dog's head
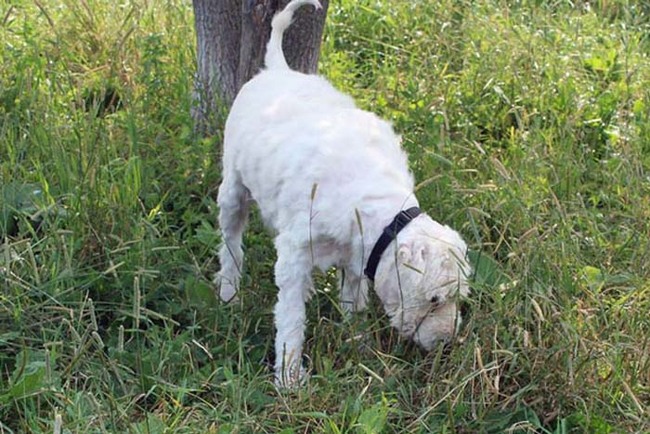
{"x":420,"y":279}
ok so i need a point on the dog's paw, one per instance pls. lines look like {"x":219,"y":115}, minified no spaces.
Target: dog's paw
{"x":228,"y":293}
{"x":350,"y":307}
{"x":359,"y":304}
{"x":227,"y":290}
{"x":292,"y":378}
{"x":354,"y":295}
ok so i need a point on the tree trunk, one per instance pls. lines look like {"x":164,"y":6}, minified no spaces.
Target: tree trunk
{"x":218,"y":31}
{"x":303,"y":39}
{"x":231,"y":43}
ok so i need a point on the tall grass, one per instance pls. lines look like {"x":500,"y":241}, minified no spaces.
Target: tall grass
{"x":528,"y":128}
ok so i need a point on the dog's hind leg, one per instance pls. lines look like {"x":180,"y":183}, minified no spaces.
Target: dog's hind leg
{"x":293,"y":278}
{"x":233,"y":212}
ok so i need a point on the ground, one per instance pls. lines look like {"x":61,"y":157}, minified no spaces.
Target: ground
{"x":527,"y":125}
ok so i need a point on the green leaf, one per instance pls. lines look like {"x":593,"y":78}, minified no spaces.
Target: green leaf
{"x":16,"y":198}
{"x":207,"y":235}
{"x":593,"y":277}
{"x":226,"y":428}
{"x":152,"y":425}
{"x":487,"y":271}
{"x":199,"y":293}
{"x":639,"y":107}
{"x":373,"y":420}
{"x":29,"y":378}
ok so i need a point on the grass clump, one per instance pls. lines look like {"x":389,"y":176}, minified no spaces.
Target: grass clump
{"x":527,"y":128}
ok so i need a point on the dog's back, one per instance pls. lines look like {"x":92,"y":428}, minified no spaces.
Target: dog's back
{"x":288,"y":131}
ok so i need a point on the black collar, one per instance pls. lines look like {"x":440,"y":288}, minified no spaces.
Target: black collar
{"x":389,"y":234}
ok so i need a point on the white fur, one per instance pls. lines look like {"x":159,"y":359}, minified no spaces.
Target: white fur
{"x":328,"y":177}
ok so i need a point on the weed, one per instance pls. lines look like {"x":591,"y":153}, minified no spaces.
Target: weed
{"x":528,"y":129}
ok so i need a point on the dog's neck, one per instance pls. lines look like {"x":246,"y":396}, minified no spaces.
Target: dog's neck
{"x":389,"y":234}
{"x":375,"y":219}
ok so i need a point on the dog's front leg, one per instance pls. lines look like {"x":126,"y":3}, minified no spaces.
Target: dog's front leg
{"x":293,"y":278}
{"x":354,"y":291}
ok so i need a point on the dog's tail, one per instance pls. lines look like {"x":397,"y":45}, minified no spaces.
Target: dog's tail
{"x":274,"y":58}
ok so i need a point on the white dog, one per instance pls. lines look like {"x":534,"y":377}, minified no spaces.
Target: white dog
{"x":332,"y":181}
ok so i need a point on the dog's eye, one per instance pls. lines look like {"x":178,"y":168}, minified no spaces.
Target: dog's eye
{"x":435,"y":300}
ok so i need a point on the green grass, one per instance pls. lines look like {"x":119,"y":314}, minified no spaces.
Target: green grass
{"x":528,"y":128}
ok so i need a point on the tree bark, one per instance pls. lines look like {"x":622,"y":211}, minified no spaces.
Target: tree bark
{"x":231,"y":43}
{"x":218,"y":31}
{"x":303,"y":39}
